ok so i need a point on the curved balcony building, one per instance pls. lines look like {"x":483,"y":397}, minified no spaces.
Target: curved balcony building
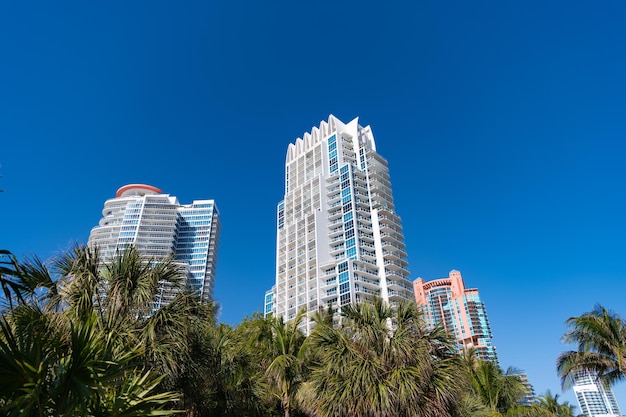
{"x":159,"y":227}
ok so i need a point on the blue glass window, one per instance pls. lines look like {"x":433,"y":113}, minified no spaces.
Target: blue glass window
{"x":345,"y":298}
{"x":332,"y":153}
{"x":343,"y":277}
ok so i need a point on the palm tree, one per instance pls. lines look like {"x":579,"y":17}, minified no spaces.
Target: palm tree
{"x":114,"y":299}
{"x":287,"y":369}
{"x":551,"y":404}
{"x":199,"y":359}
{"x":253,"y":350}
{"x":499,"y":392}
{"x":51,"y":365}
{"x":381,"y":361}
{"x":8,"y":271}
{"x":119,"y":289}
{"x":178,"y":339}
{"x":12,"y":287}
{"x":601,"y":339}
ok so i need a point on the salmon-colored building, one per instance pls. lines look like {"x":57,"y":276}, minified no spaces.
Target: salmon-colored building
{"x":461,"y":311}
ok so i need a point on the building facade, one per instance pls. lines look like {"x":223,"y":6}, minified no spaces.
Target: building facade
{"x":529,"y":392}
{"x":159,"y":227}
{"x":339,"y":238}
{"x":460,"y":310}
{"x":595,"y":398}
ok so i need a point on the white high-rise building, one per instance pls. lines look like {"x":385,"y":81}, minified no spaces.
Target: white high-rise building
{"x":595,"y":399}
{"x":339,"y":239}
{"x":159,"y":227}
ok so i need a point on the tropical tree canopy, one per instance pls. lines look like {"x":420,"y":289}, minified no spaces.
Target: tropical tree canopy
{"x":71,"y":337}
{"x":83,"y":336}
{"x":380,"y":360}
{"x":553,"y":406}
{"x":600,"y":336}
{"x":498,"y":392}
{"x":287,"y":369}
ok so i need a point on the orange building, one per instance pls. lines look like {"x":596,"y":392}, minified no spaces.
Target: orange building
{"x":461,"y":311}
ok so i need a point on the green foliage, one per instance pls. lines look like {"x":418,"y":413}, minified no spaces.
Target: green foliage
{"x":67,"y":348}
{"x":499,"y":391}
{"x":381,"y":361}
{"x":550,"y":404}
{"x":80,"y":336}
{"x":53,"y":366}
{"x":287,"y":370}
{"x":10,"y":273}
{"x":601,"y":339}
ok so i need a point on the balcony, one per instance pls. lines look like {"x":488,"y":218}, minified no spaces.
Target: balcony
{"x":336,"y":249}
{"x":335,"y":232}
{"x":395,"y":273}
{"x":368,"y":237}
{"x":395,"y":255}
{"x":395,"y":266}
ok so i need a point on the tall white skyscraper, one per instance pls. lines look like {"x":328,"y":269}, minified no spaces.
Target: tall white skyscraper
{"x":339,"y":238}
{"x":159,"y":227}
{"x":595,"y":399}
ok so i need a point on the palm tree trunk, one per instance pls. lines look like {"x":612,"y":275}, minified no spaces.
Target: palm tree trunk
{"x":286,"y":406}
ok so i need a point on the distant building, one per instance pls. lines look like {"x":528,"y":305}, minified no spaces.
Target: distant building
{"x":529,"y":396}
{"x":595,"y":398}
{"x":159,"y":227}
{"x":339,"y":239}
{"x":461,"y":311}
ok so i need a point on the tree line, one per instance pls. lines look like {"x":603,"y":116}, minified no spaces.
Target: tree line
{"x":81,"y":336}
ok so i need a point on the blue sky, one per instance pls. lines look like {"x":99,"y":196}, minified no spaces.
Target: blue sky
{"x":503,"y":124}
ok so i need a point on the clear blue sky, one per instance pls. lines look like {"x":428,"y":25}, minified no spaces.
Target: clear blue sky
{"x":503,"y":124}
